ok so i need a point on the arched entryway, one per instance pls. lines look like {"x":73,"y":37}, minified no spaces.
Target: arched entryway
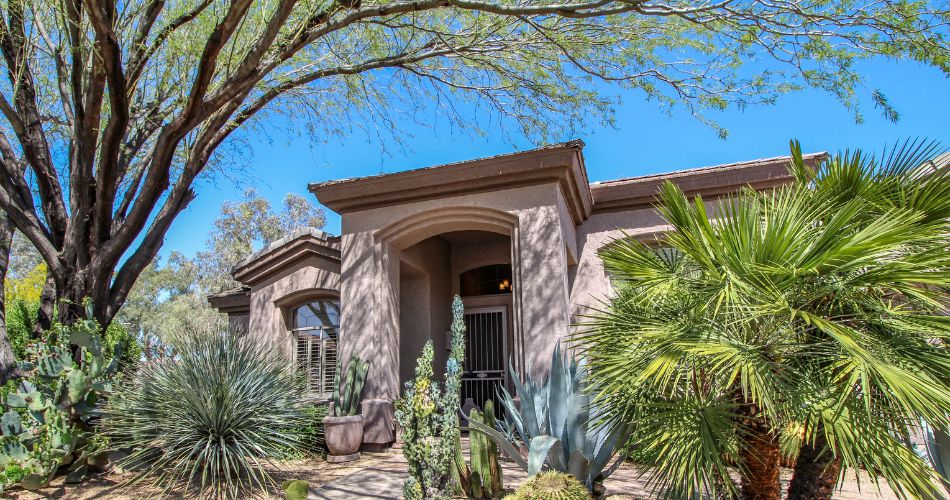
{"x":434,"y":256}
{"x":476,"y":265}
{"x":486,"y":291}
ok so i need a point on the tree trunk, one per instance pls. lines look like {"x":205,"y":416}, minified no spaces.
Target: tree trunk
{"x":816,"y":471}
{"x":8,"y":368}
{"x":760,"y":457}
{"x":44,"y":316}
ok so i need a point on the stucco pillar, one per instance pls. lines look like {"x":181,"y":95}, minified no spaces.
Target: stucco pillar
{"x":369,"y":297}
{"x":541,"y":286}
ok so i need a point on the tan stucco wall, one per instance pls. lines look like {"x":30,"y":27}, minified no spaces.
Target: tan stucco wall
{"x":425,"y":298}
{"x":268,"y":320}
{"x":370,"y":286}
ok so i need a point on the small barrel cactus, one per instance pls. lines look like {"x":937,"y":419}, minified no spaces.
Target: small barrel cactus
{"x":296,"y":489}
{"x":551,"y":486}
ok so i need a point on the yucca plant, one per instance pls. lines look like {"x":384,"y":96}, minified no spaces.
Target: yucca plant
{"x":210,"y":419}
{"x":803,"y":323}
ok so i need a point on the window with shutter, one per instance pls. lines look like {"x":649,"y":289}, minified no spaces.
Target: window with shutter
{"x":316,"y":327}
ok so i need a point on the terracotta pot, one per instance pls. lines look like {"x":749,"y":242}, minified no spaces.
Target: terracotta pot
{"x":344,"y":435}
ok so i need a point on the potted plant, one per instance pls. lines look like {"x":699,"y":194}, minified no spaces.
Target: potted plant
{"x":343,"y":427}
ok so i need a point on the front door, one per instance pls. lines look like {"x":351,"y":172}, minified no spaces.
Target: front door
{"x":486,"y":354}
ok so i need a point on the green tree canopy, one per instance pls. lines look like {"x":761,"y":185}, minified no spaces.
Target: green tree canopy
{"x":112,"y":110}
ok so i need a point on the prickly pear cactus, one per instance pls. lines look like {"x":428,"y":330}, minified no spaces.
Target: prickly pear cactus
{"x":428,"y":417}
{"x":46,"y":423}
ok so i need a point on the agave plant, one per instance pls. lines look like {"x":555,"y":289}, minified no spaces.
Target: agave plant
{"x":558,"y":423}
{"x":209,"y":419}
{"x":938,"y":452}
{"x":806,"y":324}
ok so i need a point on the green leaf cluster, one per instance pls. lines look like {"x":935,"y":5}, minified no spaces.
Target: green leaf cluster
{"x":815,"y":311}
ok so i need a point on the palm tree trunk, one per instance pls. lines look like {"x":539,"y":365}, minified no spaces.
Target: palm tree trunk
{"x":760,"y":457}
{"x":816,"y":471}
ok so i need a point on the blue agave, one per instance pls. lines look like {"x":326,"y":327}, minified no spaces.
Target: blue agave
{"x":557,"y":422}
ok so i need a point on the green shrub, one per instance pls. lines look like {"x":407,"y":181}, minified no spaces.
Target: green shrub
{"x":311,"y":440}
{"x":209,"y":418}
{"x":20,"y":318}
{"x":13,"y":473}
{"x":296,"y":489}
{"x":118,"y":334}
{"x":551,"y":486}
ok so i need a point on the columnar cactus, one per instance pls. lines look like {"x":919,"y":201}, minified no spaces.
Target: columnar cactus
{"x":482,"y":479}
{"x":428,"y":417}
{"x":346,"y":393}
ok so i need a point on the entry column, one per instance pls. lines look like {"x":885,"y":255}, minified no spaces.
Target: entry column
{"x":369,"y":328}
{"x":541,"y":285}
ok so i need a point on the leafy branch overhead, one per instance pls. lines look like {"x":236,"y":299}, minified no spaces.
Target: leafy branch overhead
{"x":113,"y":110}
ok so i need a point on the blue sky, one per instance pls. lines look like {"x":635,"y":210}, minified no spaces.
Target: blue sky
{"x":645,"y":140}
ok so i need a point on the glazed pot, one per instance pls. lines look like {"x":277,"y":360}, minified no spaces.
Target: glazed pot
{"x":343,"y":435}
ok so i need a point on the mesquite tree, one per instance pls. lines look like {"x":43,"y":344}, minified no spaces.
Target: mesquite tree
{"x":112,"y":110}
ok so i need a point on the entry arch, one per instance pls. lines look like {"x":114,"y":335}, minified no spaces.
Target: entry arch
{"x":410,"y":230}
{"x":404,"y":234}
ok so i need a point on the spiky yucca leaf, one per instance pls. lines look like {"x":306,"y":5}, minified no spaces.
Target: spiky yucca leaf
{"x":210,"y":419}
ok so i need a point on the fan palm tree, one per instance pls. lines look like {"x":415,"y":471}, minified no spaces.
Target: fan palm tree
{"x":803,"y":324}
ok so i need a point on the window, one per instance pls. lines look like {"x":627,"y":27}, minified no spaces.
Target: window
{"x":316,"y":326}
{"x":486,"y":280}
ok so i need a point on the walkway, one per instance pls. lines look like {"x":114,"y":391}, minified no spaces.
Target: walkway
{"x":385,"y":472}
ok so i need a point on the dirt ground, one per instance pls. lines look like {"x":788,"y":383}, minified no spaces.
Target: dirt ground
{"x":113,"y":484}
{"x":375,"y":475}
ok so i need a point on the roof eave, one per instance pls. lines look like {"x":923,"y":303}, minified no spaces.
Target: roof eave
{"x":562,"y":163}
{"x":708,"y":182}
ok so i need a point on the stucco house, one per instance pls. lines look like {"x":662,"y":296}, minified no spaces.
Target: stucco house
{"x":515,"y":235}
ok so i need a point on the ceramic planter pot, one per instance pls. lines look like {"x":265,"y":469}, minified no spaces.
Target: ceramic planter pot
{"x":343,"y":435}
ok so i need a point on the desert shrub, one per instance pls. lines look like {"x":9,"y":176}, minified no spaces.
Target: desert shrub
{"x":20,"y":318}
{"x":118,"y":334}
{"x":551,"y":486}
{"x":209,"y":419}
{"x":310,"y":440}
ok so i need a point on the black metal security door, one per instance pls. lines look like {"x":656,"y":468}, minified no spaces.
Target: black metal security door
{"x":486,"y":353}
